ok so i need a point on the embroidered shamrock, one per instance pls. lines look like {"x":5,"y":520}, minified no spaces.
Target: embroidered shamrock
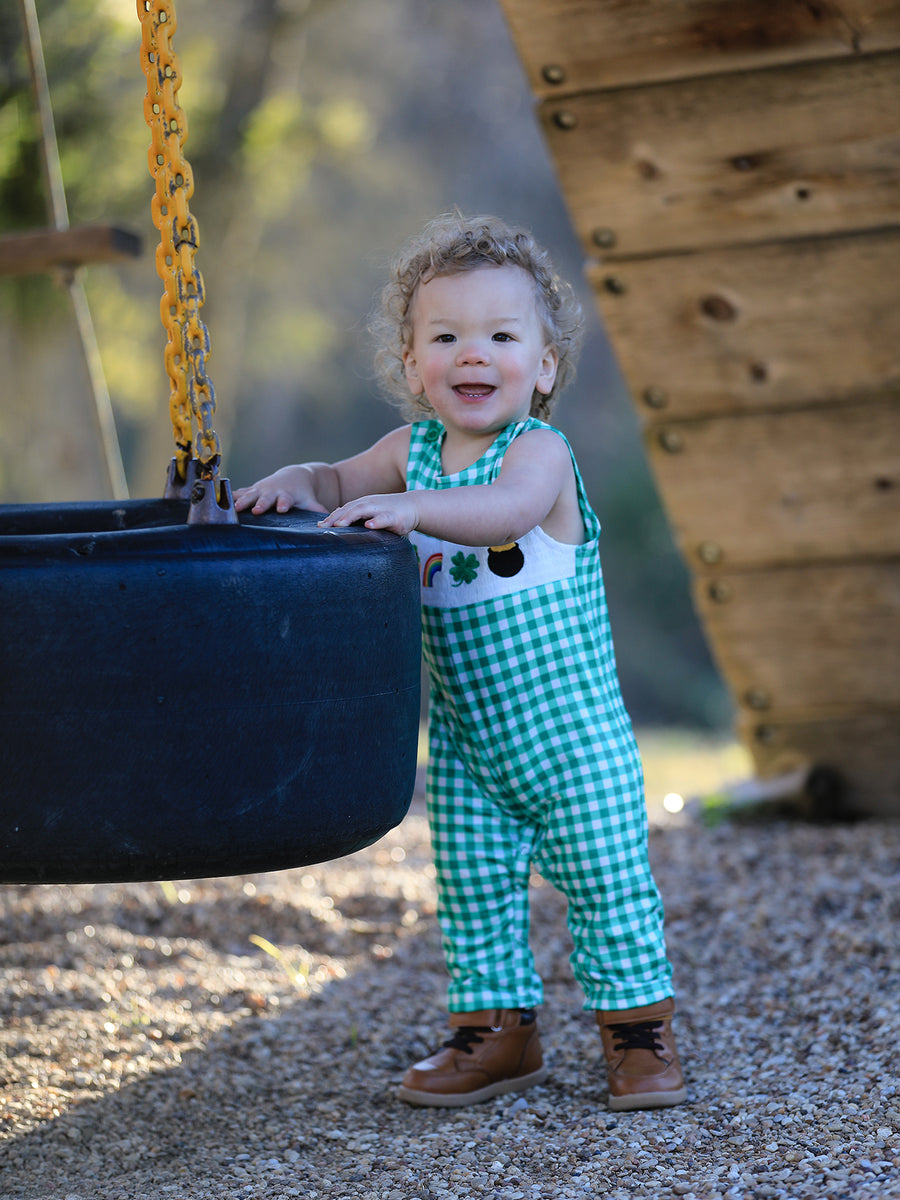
{"x":464,"y":568}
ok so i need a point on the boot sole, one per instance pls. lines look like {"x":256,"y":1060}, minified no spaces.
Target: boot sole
{"x":647,"y":1100}
{"x":460,"y":1099}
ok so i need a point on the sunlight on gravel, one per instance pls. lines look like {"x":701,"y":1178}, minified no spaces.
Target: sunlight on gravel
{"x":242,"y":1038}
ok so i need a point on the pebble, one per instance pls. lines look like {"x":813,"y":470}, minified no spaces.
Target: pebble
{"x":149,"y":1049}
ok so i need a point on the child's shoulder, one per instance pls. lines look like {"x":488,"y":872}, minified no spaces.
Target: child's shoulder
{"x":531,"y":424}
{"x":539,"y":436}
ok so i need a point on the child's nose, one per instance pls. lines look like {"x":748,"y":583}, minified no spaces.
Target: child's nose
{"x":473,"y":351}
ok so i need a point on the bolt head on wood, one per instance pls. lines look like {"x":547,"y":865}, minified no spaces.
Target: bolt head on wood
{"x":671,"y":441}
{"x":710,"y":553}
{"x":655,"y":397}
{"x":757,"y":698}
{"x":720,"y":592}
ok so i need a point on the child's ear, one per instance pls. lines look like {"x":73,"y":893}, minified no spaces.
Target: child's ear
{"x":547,"y":373}
{"x":412,"y":373}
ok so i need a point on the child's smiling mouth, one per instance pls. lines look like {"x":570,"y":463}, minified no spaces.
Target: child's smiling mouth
{"x":474,"y":391}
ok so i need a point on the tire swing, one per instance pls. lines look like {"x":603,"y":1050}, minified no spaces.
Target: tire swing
{"x":184,"y":693}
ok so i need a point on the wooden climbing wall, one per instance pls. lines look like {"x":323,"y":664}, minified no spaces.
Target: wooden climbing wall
{"x":732,"y":168}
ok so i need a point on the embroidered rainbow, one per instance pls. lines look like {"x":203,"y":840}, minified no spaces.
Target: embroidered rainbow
{"x":432,"y":566}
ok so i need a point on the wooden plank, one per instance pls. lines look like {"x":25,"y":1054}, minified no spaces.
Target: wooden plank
{"x":810,"y":485}
{"x":728,"y":160}
{"x":862,"y":748}
{"x":808,"y":643}
{"x":571,"y":46}
{"x":757,"y":327}
{"x":43,"y":250}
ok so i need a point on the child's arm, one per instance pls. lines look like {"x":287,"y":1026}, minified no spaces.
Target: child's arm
{"x":322,"y":487}
{"x":536,"y":486}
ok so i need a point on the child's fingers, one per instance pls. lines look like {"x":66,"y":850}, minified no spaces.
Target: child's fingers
{"x":245,"y":498}
{"x":345,"y":515}
{"x":374,"y":511}
{"x":357,"y":510}
{"x":260,"y":500}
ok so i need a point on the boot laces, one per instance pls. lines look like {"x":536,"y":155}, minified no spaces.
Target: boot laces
{"x":639,"y":1035}
{"x":465,"y":1037}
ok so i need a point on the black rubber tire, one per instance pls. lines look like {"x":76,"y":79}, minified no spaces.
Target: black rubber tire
{"x":183,"y":701}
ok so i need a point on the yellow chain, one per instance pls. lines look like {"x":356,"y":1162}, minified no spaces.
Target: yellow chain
{"x":192,"y":400}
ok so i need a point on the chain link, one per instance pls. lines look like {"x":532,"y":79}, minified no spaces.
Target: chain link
{"x":192,"y":399}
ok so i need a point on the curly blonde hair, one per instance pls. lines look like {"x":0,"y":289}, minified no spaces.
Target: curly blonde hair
{"x":449,"y":245}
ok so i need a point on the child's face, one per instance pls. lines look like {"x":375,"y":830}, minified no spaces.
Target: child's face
{"x":478,"y":349}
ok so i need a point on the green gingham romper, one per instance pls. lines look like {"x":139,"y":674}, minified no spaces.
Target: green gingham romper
{"x":532,"y":762}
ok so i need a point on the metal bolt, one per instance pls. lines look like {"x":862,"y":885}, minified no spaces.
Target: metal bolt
{"x":766,"y":734}
{"x":655,"y":397}
{"x":564,"y":119}
{"x":720,"y":592}
{"x":614,"y":285}
{"x":553,"y":73}
{"x":710,"y":553}
{"x":758,"y":698}
{"x":604,"y":238}
{"x":671,"y":441}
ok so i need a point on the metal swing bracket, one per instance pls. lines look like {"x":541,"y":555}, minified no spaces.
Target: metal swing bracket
{"x":211,"y":500}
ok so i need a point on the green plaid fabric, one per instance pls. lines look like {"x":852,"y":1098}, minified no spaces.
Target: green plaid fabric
{"x":533,"y":762}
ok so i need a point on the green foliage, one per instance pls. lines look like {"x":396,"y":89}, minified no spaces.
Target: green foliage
{"x":85,"y":46}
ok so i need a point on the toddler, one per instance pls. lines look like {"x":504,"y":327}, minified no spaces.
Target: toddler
{"x":532,"y":762}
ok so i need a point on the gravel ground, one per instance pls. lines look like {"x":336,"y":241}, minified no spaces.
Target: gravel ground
{"x":153,"y":1049}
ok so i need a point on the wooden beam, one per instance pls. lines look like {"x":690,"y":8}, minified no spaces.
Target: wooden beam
{"x":43,"y":250}
{"x":570,"y":46}
{"x":807,"y":643}
{"x":726,"y":160}
{"x":814,"y":485}
{"x":756,"y":327}
{"x":861,"y":747}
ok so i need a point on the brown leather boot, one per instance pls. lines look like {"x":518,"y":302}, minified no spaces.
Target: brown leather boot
{"x":641,"y":1059}
{"x":493,"y":1051}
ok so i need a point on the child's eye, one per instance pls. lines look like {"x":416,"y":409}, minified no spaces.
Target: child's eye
{"x":446,"y":338}
{"x":502,"y":337}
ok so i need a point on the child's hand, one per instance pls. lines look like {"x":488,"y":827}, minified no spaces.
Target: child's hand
{"x":396,"y":511}
{"x":291,"y":487}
